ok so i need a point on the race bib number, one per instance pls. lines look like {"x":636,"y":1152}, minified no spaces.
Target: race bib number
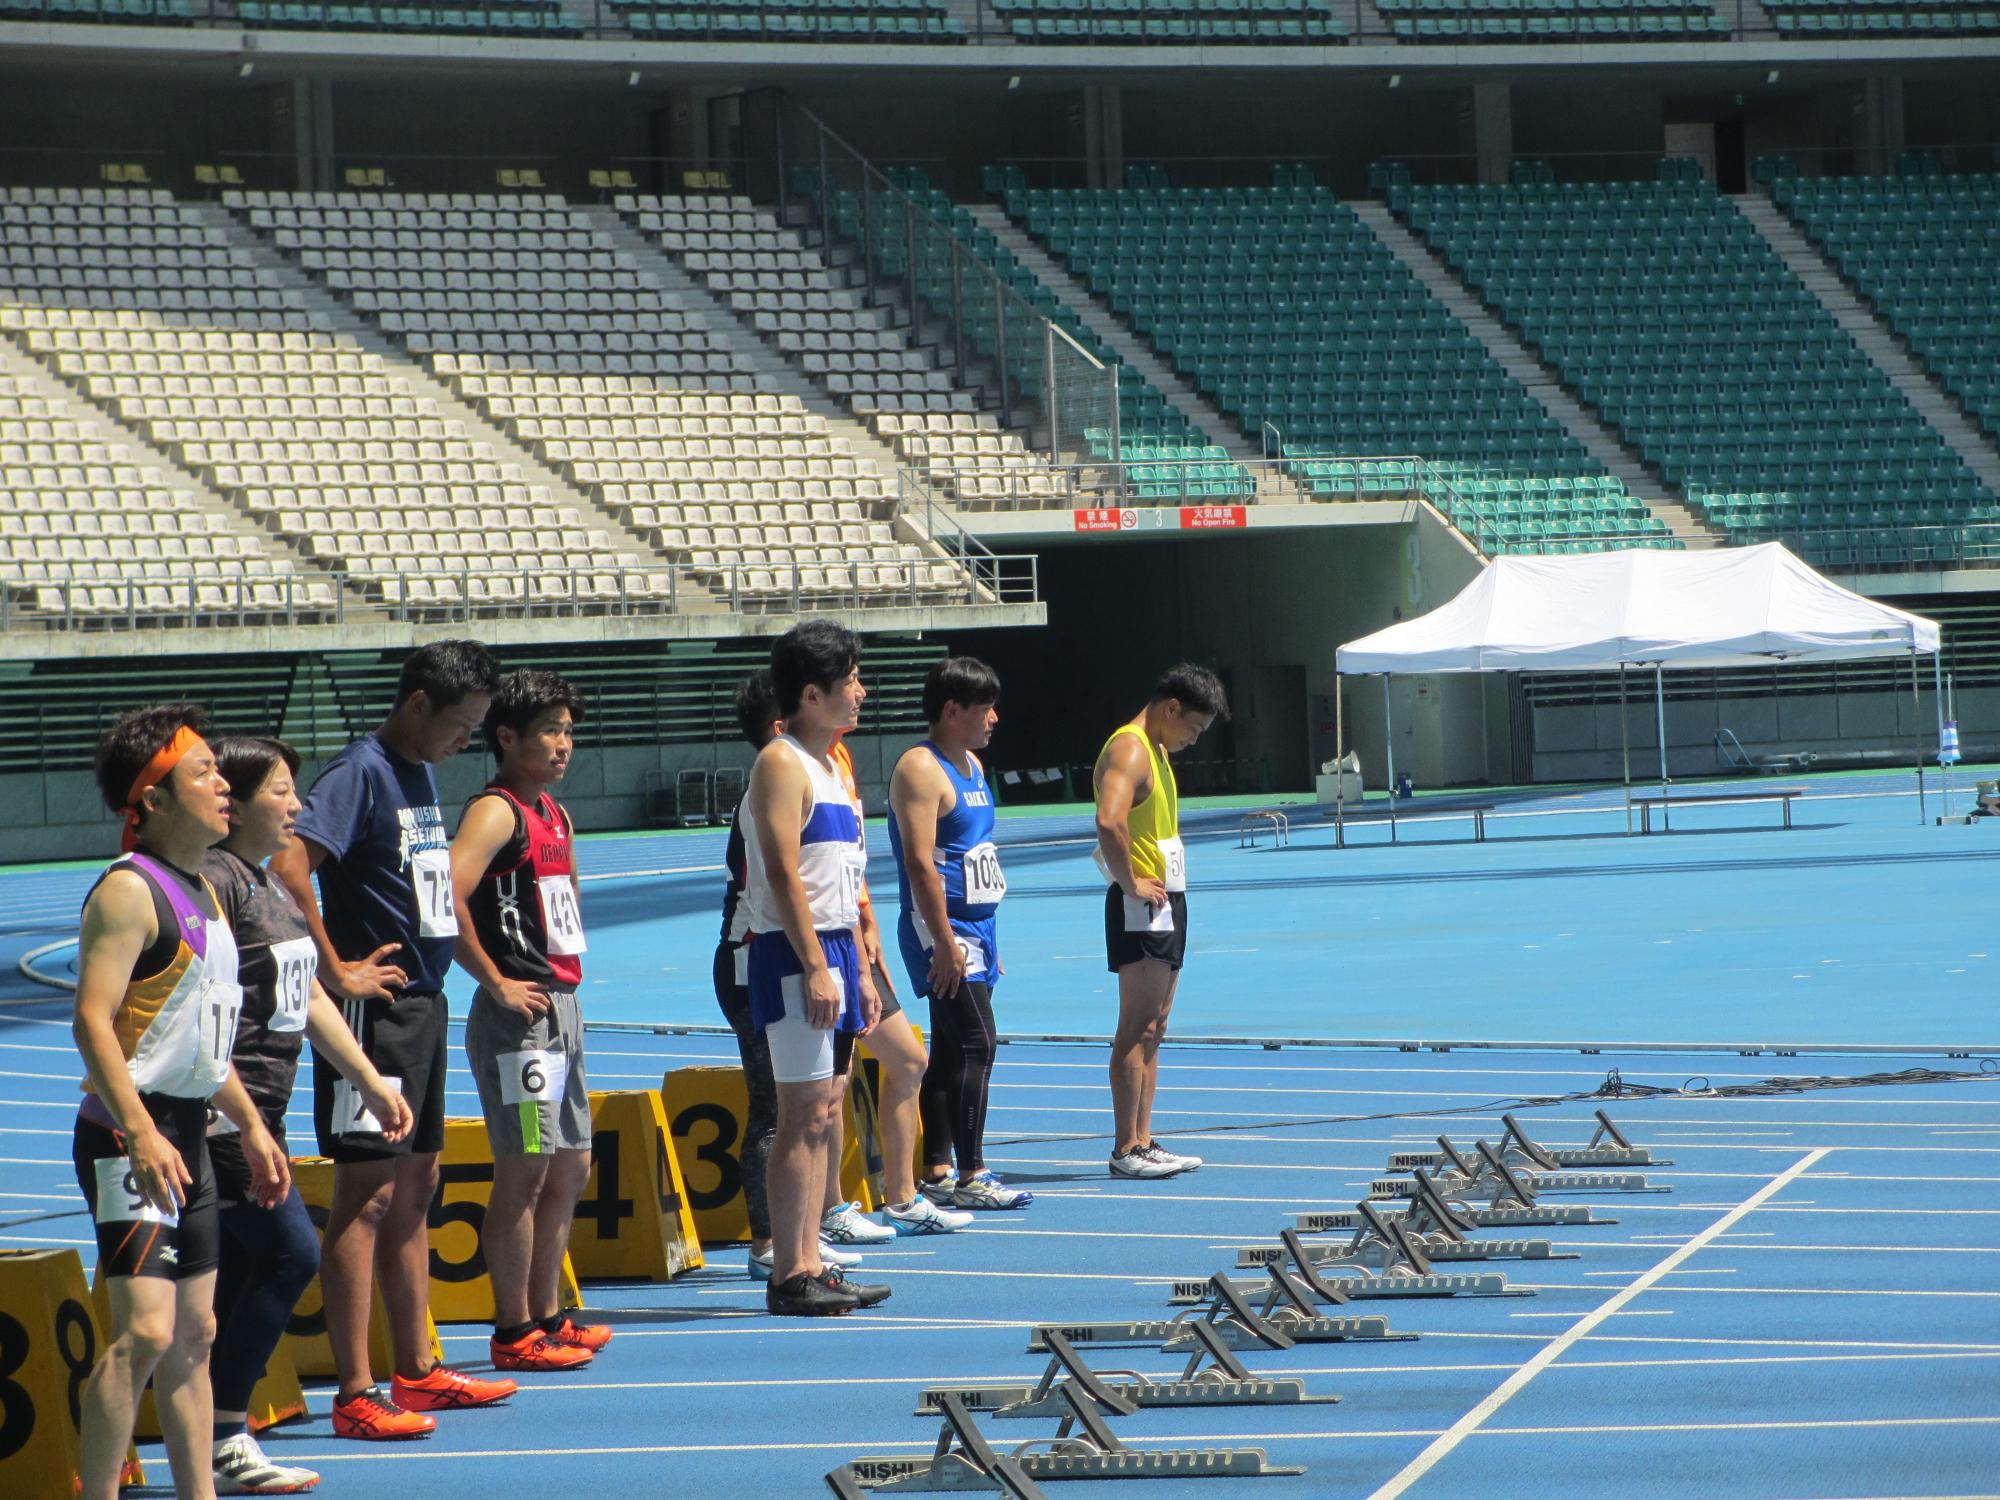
{"x":221,"y":1006}
{"x":1173,"y":858}
{"x":430,"y":878}
{"x":985,"y":883}
{"x":975,"y":954}
{"x":119,"y":1200}
{"x":1141,"y":916}
{"x":297,"y":962}
{"x":853,"y":866}
{"x":562,"y":920}
{"x":541,"y":1076}
{"x":350,"y":1114}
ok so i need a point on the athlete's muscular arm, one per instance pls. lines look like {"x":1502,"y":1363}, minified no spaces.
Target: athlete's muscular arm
{"x":919,"y":795}
{"x":1124,"y":777}
{"x":483,"y":832}
{"x":270,"y":1171}
{"x":330,"y":1035}
{"x":778,"y":795}
{"x":118,"y":925}
{"x":365,"y":979}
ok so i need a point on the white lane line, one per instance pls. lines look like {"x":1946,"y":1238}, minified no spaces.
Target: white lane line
{"x":1630,"y":1312}
{"x":1473,"y":1420}
{"x":1203,"y":1439}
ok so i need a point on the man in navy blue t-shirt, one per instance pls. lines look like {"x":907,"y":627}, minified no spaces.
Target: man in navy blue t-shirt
{"x":373,"y":832}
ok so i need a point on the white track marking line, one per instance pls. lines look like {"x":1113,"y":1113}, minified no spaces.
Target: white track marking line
{"x":1473,"y":1420}
{"x":1206,"y":1439}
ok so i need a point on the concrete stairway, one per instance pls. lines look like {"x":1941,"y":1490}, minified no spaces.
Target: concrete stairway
{"x":1872,"y":334}
{"x":1535,"y":377}
{"x":774,"y":372}
{"x":1213,"y":426}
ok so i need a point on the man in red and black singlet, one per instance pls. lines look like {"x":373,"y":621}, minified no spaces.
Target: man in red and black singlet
{"x":513,"y":872}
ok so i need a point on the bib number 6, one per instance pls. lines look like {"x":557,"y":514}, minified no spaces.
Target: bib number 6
{"x":532,"y":1075}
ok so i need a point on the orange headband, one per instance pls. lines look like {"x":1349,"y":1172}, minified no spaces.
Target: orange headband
{"x":158,"y":769}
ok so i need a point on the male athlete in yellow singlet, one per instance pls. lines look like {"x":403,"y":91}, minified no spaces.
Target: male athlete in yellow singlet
{"x":1145,"y":907}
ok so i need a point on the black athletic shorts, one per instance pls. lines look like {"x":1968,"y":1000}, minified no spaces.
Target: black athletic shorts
{"x":890,"y":1004}
{"x":1126,"y":939}
{"x":406,"y":1043}
{"x":131,"y":1240}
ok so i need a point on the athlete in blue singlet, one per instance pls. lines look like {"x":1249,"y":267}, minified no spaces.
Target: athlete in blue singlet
{"x":948,"y":872}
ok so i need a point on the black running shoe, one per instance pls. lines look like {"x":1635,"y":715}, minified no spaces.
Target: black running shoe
{"x":805,"y":1296}
{"x":863,"y":1294}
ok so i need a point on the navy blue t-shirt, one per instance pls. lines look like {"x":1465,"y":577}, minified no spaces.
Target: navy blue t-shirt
{"x":371,"y":810}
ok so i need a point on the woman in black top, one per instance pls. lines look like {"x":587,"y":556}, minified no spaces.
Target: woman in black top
{"x":268,"y":1255}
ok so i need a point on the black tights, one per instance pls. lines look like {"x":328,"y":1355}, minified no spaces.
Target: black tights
{"x":761,"y":1121}
{"x":952,"y":1099}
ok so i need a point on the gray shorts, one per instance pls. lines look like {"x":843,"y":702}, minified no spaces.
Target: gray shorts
{"x":530,"y":1075}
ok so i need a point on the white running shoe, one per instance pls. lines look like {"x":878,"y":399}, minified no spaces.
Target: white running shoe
{"x":1187,"y":1163}
{"x":939,"y":1189}
{"x":1139,"y":1162}
{"x":982,"y":1190}
{"x":847,"y":1225}
{"x":242,"y":1469}
{"x":761,"y":1261}
{"x":921,"y":1216}
{"x":833,"y":1255}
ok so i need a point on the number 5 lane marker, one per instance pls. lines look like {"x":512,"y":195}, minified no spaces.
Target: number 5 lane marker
{"x":1512,"y":1386}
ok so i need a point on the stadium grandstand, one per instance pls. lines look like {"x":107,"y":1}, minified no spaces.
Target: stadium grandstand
{"x":1078,"y":336}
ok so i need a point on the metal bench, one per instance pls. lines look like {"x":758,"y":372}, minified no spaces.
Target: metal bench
{"x":1666,"y":803}
{"x":1477,"y":812}
{"x":1256,"y":822}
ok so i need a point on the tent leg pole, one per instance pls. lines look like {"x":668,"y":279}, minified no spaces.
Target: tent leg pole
{"x":1917,"y":736}
{"x":1339,"y":772}
{"x":1389,"y":753}
{"x":1944,"y":770}
{"x":1625,"y":748}
{"x":1660,"y":720}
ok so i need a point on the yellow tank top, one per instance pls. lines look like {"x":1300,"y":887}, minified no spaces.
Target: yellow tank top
{"x":1156,"y":818}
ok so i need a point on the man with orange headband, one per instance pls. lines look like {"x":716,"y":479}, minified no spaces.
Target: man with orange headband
{"x":156,"y":1006}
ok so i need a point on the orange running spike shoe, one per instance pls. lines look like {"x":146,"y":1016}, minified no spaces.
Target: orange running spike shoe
{"x":373,"y":1418}
{"x":591,"y":1336}
{"x":445,"y":1389}
{"x":536,"y":1350}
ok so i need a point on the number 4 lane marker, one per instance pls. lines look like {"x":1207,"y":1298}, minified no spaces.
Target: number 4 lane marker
{"x":1512,"y":1386}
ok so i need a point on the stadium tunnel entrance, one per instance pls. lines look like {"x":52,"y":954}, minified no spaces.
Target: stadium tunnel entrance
{"x":1266,"y":608}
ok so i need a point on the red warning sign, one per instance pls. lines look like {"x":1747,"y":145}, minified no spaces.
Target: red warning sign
{"x":1213,"y":517}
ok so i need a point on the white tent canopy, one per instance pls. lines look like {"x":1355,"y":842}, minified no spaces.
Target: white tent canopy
{"x":1606,"y":611}
{"x":1732,"y":607}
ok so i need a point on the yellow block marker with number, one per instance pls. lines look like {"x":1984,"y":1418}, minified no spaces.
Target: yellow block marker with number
{"x":707,"y":1107}
{"x":305,"y":1338}
{"x":461,"y":1288}
{"x":633,"y":1219}
{"x":50,"y":1339}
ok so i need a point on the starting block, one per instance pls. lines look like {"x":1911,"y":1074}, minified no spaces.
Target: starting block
{"x":1214,"y":1377}
{"x":1290,"y":1315}
{"x":1434,"y":1224}
{"x":1388,"y":1264}
{"x":1457,"y":1174}
{"x":1084,"y":1447}
{"x":1607,"y":1147}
